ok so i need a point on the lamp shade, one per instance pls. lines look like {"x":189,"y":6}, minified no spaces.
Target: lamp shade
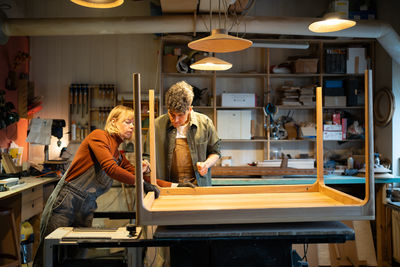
{"x":331,"y":22}
{"x":98,"y":3}
{"x":211,"y":63}
{"x":220,"y":42}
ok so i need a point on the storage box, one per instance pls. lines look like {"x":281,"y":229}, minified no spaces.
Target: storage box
{"x":169,"y":63}
{"x":306,"y":65}
{"x":334,"y":101}
{"x":238,"y":100}
{"x":332,"y":127}
{"x":333,"y":135}
{"x":234,"y":124}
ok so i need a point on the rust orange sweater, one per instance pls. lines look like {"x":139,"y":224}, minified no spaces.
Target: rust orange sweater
{"x":105,"y":148}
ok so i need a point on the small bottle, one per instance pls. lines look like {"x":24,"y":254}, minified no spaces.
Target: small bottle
{"x":73,"y":131}
{"x":350,"y":163}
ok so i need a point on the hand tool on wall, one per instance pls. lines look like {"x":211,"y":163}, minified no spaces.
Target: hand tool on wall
{"x":76,"y":98}
{"x":87,"y":98}
{"x":71,"y":98}
{"x":83,"y":98}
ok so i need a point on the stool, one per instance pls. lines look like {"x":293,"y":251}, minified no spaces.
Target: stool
{"x":9,"y":250}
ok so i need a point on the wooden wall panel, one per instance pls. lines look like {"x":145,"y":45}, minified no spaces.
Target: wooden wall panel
{"x":59,"y":61}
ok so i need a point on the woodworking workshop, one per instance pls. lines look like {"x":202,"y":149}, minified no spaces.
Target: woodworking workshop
{"x":199,"y":133}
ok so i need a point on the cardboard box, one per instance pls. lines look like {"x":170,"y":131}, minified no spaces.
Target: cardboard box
{"x":169,"y":63}
{"x":306,"y":65}
{"x":234,"y":124}
{"x":238,"y":100}
{"x":333,"y":135}
{"x":332,"y":127}
{"x":334,"y":101}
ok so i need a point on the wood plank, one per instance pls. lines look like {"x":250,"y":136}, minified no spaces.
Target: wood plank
{"x":153,"y":173}
{"x":243,"y":201}
{"x":253,"y":170}
{"x":238,"y":189}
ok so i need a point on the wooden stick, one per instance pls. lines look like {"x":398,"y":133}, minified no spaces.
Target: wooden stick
{"x":152,"y":138}
{"x":320,"y":142}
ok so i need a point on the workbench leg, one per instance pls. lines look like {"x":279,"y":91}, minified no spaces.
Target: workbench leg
{"x":134,"y":256}
{"x":48,"y":253}
{"x":383,"y":228}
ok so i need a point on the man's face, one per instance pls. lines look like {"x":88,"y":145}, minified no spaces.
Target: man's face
{"x":179,"y":118}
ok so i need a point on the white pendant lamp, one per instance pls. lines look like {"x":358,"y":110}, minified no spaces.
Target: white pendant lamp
{"x":220,"y":42}
{"x":211,"y":63}
{"x":98,"y":3}
{"x":331,"y":22}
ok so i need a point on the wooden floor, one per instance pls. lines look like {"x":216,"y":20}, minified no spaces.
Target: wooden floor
{"x":243,"y":201}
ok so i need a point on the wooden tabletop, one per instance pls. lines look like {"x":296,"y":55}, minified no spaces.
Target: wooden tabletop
{"x":26,"y":183}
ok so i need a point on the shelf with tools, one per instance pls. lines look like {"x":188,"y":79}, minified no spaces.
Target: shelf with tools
{"x":283,"y":80}
{"x":89,"y":108}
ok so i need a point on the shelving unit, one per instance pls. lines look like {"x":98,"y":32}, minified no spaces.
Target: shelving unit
{"x":251,"y":73}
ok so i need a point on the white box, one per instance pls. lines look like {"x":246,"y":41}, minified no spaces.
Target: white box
{"x":333,"y":127}
{"x":356,"y":61}
{"x":332,"y":135}
{"x":238,"y":100}
{"x":234,"y":124}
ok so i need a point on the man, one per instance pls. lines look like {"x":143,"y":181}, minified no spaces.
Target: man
{"x":187,"y":144}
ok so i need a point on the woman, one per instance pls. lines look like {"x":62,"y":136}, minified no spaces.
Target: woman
{"x":96,"y":163}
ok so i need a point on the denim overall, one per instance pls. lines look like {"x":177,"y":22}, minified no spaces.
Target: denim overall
{"x":72,"y":204}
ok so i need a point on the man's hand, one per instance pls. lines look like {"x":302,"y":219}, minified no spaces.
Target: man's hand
{"x":146,"y":167}
{"x":150,"y":187}
{"x":202,"y":168}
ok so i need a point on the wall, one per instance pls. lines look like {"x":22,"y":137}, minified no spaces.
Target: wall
{"x":388,"y":75}
{"x":15,"y":132}
{"x":59,"y":61}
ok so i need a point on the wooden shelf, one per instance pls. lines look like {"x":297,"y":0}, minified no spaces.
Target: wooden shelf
{"x":241,"y":75}
{"x":173,"y":74}
{"x":342,"y":107}
{"x":294,"y":75}
{"x":243,"y":140}
{"x":343,"y":74}
{"x":295,"y":107}
{"x":219,"y":107}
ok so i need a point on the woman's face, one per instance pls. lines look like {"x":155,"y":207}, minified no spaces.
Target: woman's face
{"x":125,"y":127}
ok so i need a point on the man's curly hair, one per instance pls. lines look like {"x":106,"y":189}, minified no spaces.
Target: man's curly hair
{"x":179,"y":97}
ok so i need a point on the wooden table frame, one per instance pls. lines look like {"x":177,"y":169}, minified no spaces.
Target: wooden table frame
{"x":255,"y":204}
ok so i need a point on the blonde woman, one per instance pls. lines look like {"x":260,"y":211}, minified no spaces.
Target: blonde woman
{"x":96,"y":164}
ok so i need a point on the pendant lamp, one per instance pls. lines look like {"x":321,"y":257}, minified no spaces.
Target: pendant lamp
{"x":331,"y":22}
{"x":220,"y":42}
{"x":211,"y":63}
{"x":98,"y":3}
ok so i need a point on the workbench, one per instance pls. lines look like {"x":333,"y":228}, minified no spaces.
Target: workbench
{"x":382,"y":212}
{"x":25,"y":200}
{"x":212,"y":245}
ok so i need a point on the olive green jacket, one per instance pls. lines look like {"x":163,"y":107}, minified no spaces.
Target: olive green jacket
{"x":202,"y":140}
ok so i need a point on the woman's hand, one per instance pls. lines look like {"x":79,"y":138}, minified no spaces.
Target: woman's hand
{"x":146,"y":167}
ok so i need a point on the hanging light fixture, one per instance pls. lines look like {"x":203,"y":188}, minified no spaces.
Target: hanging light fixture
{"x":335,"y":20}
{"x":331,"y":22}
{"x":211,"y":63}
{"x":98,"y":3}
{"x":220,"y":42}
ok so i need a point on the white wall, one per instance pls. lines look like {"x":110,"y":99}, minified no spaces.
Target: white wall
{"x":388,"y":75}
